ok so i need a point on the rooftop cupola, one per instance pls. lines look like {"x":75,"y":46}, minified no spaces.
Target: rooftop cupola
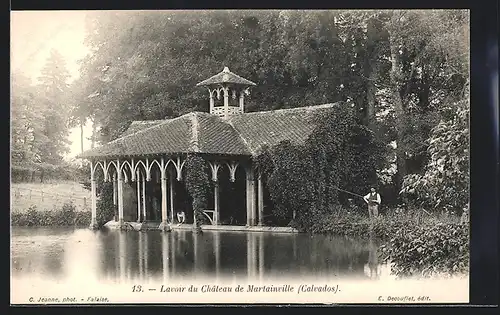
{"x":227,"y":93}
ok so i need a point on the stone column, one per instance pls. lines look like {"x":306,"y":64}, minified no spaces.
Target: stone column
{"x":260,"y":198}
{"x":226,"y":101}
{"x":171,"y":197}
{"x":250,"y":196}
{"x":138,"y":183}
{"x":211,"y":100}
{"x":242,"y":98}
{"x":93,"y":198}
{"x":164,"y":217}
{"x":216,"y":203}
{"x":120,"y":195}
{"x":114,"y":190}
{"x":144,"y":198}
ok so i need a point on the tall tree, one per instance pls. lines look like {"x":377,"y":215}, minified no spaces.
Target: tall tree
{"x":54,"y":93}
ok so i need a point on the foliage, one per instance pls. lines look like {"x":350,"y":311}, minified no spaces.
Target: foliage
{"x":66,"y":216}
{"x":398,"y":68}
{"x":445,"y":180}
{"x":40,"y":115}
{"x":197,"y":185}
{"x":105,"y":208}
{"x":340,"y":152}
{"x":416,"y":243}
{"x":429,"y":250}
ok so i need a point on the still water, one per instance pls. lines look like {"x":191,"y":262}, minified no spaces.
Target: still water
{"x":126,"y":256}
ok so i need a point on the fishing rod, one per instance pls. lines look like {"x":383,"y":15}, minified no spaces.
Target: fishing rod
{"x":349,"y":192}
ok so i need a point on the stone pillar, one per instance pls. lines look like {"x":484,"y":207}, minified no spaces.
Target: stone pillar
{"x":93,"y":198}
{"x":144,"y":217}
{"x":226,"y":102}
{"x":242,"y":100}
{"x":260,"y":199}
{"x":114,"y":190}
{"x":138,"y":183}
{"x":250,"y":197}
{"x":216,"y":203}
{"x":211,"y":100}
{"x":164,"y":217}
{"x":120,"y":195}
{"x":171,"y":197}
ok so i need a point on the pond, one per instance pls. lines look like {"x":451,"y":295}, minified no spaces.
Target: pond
{"x":74,"y":259}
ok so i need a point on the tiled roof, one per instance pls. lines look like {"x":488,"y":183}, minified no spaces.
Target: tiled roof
{"x":139,"y":125}
{"x":272,"y":127}
{"x":241,"y":134}
{"x":225,"y":76}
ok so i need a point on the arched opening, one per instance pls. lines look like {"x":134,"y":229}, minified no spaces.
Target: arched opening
{"x":232,"y":197}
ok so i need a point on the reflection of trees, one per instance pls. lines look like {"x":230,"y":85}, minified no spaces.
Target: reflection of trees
{"x":217,"y":254}
{"x":373,"y":264}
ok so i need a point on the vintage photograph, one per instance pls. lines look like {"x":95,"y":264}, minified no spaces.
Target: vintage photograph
{"x":239,"y":156}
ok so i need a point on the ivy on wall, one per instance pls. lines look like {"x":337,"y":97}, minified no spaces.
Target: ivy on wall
{"x":197,"y":184}
{"x":304,"y":178}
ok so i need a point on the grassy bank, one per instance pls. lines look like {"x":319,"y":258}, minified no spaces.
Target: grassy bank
{"x":415,"y":242}
{"x":49,"y":196}
{"x":67,"y":215}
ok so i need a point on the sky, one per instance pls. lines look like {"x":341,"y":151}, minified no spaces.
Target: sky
{"x":34,"y":34}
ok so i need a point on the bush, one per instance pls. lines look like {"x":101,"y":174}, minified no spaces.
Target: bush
{"x":105,"y":207}
{"x":66,"y":216}
{"x":428,"y":250}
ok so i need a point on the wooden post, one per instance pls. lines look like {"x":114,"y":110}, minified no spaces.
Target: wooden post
{"x":144,"y":217}
{"x":216,"y":203}
{"x":138,"y":184}
{"x":93,"y":222}
{"x":120,"y":194}
{"x":260,"y":198}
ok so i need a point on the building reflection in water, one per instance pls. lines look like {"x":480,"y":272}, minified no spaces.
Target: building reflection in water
{"x":218,"y":255}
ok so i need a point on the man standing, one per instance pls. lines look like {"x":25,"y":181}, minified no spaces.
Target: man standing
{"x":373,"y":200}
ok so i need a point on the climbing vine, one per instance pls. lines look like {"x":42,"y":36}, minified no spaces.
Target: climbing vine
{"x":197,"y":184}
{"x":304,"y":178}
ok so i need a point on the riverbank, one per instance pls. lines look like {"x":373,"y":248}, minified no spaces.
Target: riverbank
{"x":67,"y":215}
{"x":417,"y":243}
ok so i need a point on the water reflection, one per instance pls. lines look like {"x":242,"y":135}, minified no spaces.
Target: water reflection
{"x":124,"y":256}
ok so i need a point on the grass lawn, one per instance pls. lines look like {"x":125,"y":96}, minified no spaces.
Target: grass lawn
{"x":47,"y":196}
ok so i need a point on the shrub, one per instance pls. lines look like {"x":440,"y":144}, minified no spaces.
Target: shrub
{"x":197,"y":184}
{"x":429,"y":249}
{"x":66,"y":216}
{"x":105,"y":208}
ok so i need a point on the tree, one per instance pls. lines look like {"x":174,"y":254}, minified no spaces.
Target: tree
{"x":54,"y":97}
{"x":26,"y":125}
{"x":445,"y":182}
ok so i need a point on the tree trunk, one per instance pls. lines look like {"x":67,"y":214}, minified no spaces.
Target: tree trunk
{"x":370,"y":93}
{"x":92,"y":143}
{"x":395,"y":84}
{"x":81,"y":136}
